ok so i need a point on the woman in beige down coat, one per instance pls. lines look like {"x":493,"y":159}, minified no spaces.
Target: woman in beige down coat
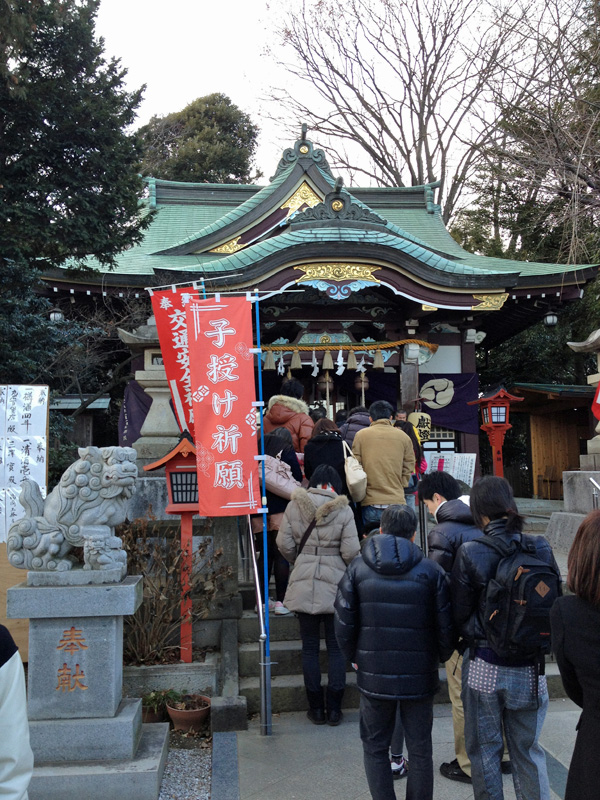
{"x":317,"y":570}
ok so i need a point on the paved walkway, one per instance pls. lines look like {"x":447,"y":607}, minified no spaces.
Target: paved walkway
{"x":301,"y":761}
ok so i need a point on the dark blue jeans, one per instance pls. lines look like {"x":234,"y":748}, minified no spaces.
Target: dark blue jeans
{"x":377,"y":719}
{"x":310,"y":631}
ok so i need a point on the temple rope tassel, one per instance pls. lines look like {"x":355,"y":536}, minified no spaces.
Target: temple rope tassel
{"x":269,"y":361}
{"x":327,"y":361}
{"x":378,"y":360}
{"x":351,"y":363}
{"x":296,"y":360}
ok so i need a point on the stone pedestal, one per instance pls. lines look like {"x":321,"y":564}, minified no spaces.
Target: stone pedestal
{"x":78,"y":717}
{"x":578,"y":500}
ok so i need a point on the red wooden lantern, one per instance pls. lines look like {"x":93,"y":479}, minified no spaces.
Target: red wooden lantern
{"x":494,"y":412}
{"x":182,"y":488}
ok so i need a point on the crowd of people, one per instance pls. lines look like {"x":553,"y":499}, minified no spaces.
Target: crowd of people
{"x":396,"y":613}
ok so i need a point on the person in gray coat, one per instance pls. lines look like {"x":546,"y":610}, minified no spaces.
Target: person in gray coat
{"x":317,"y":569}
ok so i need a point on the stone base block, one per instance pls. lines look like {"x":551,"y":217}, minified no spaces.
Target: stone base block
{"x":46,"y":602}
{"x":589,"y":463}
{"x":578,"y":491}
{"x":135,"y":779}
{"x":60,"y":740}
{"x":228,"y":714}
{"x":561,"y":530}
{"x":75,"y":577}
{"x":187,"y":678}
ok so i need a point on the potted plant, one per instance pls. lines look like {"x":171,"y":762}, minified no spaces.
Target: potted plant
{"x":154,"y":704}
{"x":188,"y":712}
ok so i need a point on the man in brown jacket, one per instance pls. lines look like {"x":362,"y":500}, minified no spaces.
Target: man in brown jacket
{"x":387,"y":456}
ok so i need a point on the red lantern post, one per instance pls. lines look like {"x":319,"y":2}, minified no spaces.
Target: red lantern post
{"x":182,"y":488}
{"x":494,"y":412}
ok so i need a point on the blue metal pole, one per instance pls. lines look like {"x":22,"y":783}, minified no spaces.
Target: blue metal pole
{"x":266,"y":667}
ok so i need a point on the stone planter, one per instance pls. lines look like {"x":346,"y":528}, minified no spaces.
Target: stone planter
{"x":190,"y":719}
{"x":195,"y":678}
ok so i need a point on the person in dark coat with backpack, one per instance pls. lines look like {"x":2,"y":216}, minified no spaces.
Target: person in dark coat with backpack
{"x":576,"y":642}
{"x":393,"y":619}
{"x":498,"y":689}
{"x":325,"y":446}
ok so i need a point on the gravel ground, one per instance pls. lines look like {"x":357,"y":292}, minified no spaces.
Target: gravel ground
{"x":187,"y":774}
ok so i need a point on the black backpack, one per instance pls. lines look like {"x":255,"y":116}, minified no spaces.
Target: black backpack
{"x":518,"y":599}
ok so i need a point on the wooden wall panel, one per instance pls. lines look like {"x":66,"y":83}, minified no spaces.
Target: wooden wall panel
{"x":19,"y":628}
{"x":554,"y":444}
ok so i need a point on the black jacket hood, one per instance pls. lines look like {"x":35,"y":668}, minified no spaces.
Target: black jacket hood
{"x":390,"y":555}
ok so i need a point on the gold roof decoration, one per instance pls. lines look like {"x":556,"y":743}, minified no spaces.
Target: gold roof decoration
{"x":229,"y":247}
{"x":337,"y":272}
{"x":489,"y":302}
{"x":303,"y":195}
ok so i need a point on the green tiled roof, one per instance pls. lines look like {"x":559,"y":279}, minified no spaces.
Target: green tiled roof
{"x":188,"y":212}
{"x":235,"y":213}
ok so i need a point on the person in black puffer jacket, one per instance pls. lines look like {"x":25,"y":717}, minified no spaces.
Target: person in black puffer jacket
{"x":498,"y":693}
{"x":393,"y":619}
{"x":358,"y":419}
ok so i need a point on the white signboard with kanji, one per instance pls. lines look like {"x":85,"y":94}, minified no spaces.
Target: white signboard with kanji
{"x":460,"y":465}
{"x":23,"y":447}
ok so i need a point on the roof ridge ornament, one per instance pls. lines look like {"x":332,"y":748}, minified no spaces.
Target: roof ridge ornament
{"x":303,"y":148}
{"x":338,"y":205}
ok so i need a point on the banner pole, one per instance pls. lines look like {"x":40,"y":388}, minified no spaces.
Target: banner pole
{"x":266,"y":666}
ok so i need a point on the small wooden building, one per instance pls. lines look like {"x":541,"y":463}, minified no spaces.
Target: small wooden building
{"x":560,"y":424}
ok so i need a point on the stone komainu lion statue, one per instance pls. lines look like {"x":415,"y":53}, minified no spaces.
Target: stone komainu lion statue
{"x":81,"y":511}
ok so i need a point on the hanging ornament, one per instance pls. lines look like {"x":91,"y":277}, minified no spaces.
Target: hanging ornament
{"x":327,"y":360}
{"x":269,"y":361}
{"x":340,"y":363}
{"x":378,"y":360}
{"x":296,"y":360}
{"x":361,"y":384}
{"x":281,"y":366}
{"x":315,"y":365}
{"x":361,"y":367}
{"x":325,"y":383}
{"x":351,"y":363}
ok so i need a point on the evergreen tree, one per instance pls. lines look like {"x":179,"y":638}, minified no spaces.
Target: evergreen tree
{"x":69,"y":183}
{"x":211,"y":140}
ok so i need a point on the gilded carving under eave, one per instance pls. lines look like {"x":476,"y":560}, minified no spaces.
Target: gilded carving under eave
{"x":229,"y":247}
{"x":303,"y":195}
{"x":489,"y":302}
{"x":337,"y":272}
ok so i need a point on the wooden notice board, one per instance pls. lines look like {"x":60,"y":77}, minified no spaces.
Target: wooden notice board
{"x":19,"y":628}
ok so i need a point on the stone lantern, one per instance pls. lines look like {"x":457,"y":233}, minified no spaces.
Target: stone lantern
{"x":160,"y":431}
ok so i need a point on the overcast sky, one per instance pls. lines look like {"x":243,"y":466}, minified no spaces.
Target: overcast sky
{"x":184,"y":49}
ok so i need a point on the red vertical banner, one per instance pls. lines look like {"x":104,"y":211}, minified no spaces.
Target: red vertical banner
{"x":222,"y":381}
{"x":169,"y":309}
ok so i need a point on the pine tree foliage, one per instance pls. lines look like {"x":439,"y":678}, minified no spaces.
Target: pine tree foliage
{"x":211,"y":140}
{"x":68,"y":169}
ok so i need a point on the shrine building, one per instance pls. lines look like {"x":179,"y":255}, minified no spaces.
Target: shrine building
{"x":370,"y":274}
